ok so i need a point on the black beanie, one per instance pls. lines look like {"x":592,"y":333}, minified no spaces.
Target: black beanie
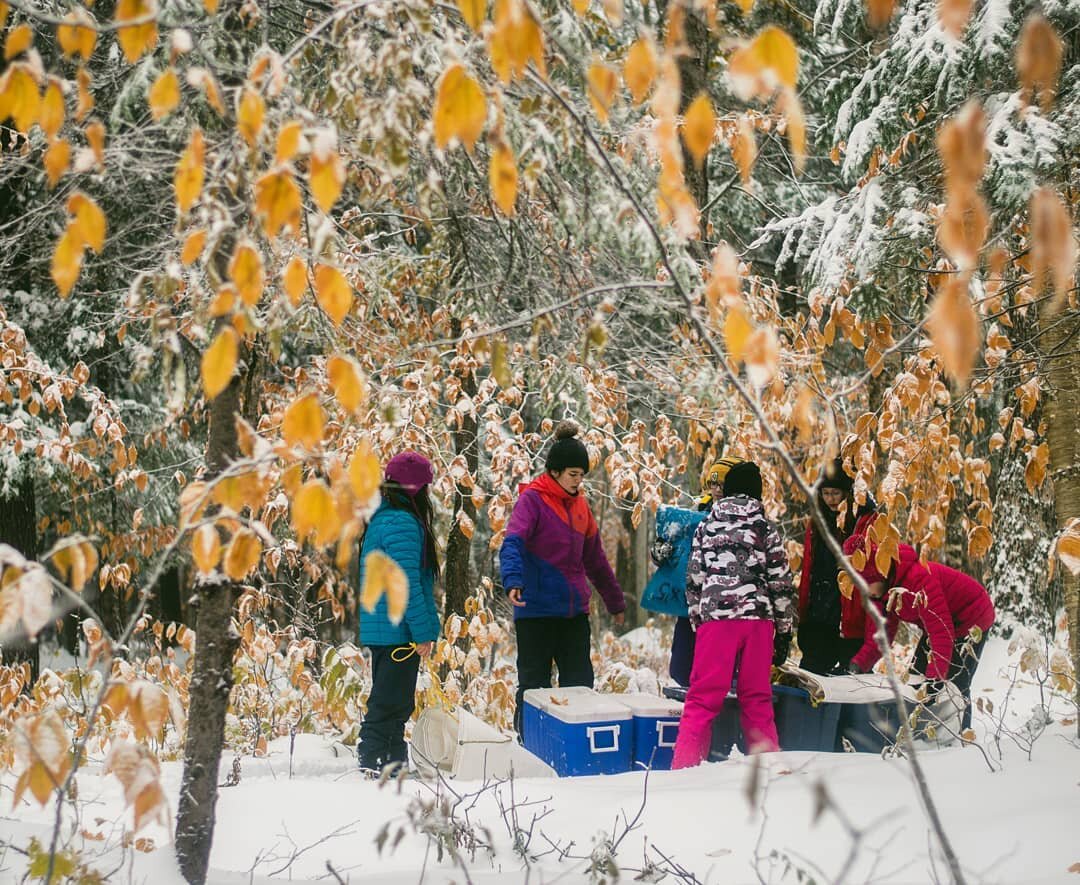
{"x":743,"y":479}
{"x":833,"y":476}
{"x":567,"y":451}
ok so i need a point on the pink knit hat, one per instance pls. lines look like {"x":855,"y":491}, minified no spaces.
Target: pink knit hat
{"x":410,"y":470}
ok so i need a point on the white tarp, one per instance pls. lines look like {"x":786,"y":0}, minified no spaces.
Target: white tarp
{"x":464,"y":747}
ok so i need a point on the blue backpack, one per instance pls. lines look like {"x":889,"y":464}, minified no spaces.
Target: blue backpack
{"x":666,"y":591}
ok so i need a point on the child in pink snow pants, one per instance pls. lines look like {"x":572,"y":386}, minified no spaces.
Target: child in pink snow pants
{"x":742,"y":606}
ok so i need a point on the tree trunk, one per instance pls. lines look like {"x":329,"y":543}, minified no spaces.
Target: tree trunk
{"x":694,"y":79}
{"x":18,"y":527}
{"x":212,"y":680}
{"x":457,"y":574}
{"x":1061,"y":368}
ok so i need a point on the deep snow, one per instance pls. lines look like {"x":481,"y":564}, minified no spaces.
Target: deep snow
{"x":1015,"y":824}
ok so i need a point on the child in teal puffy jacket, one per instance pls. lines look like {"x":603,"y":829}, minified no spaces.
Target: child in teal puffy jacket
{"x":402,"y":529}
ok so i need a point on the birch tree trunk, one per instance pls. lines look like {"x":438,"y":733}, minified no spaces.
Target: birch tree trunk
{"x":1061,"y":369}
{"x":215,"y":645}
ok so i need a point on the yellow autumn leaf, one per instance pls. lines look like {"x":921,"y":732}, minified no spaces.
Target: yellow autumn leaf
{"x":56,"y":160}
{"x":95,"y":137}
{"x":88,"y":221}
{"x":141,"y":36}
{"x":699,"y":127}
{"x":515,"y":40}
{"x":503,"y":177}
{"x":790,"y":106}
{"x":365,"y":472}
{"x":294,"y":279}
{"x":327,"y":171}
{"x":383,"y":576}
{"x":224,"y":302}
{"x":581,"y":6}
{"x":18,"y":41}
{"x":242,"y":554}
{"x":76,"y":561}
{"x":288,"y":141}
{"x":193,"y":247}
{"x":66,"y":262}
{"x":333,"y":292}
{"x":745,"y":5}
{"x":500,"y":363}
{"x":51,"y":116}
{"x":963,"y":227}
{"x":744,"y":150}
{"x":953,"y":16}
{"x":347,"y":382}
{"x":211,"y":6}
{"x":314,"y":512}
{"x":277,"y":200}
{"x":779,"y":54}
{"x":19,"y":96}
{"x":303,"y":422}
{"x":206,"y":548}
{"x":164,"y":95}
{"x":640,"y":68}
{"x":737,"y":329}
{"x":473,"y":12}
{"x":250,"y":114}
{"x":879,"y":13}
{"x":219,"y":361}
{"x":77,"y":35}
{"x":460,"y":108}
{"x":1038,"y":60}
{"x":203,"y":80}
{"x":246,"y":272}
{"x":602,"y":84}
{"x":190,"y":171}
{"x":85,"y":103}
{"x":953,"y":325}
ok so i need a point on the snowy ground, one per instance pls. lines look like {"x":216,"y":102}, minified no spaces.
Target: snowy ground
{"x":1016,"y":823}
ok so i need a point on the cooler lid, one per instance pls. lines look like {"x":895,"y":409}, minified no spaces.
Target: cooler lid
{"x":643,"y":704}
{"x":577,"y":704}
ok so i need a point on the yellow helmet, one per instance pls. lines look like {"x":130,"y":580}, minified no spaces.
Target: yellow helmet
{"x":717,"y":471}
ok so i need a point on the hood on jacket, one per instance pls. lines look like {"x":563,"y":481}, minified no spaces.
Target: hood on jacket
{"x":739,"y":506}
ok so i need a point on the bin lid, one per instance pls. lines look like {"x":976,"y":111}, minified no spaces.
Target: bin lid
{"x":644,"y":704}
{"x":577,"y":704}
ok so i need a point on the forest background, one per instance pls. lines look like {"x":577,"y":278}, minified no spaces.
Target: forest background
{"x":249,"y":251}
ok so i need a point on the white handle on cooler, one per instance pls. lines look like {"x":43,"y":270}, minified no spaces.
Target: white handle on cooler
{"x":660,"y":728}
{"x":593,"y":730}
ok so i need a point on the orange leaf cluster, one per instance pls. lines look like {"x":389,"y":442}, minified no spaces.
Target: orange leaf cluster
{"x":86,"y":228}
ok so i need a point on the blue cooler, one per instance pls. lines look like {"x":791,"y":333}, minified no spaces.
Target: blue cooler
{"x":801,"y":725}
{"x":870,"y":727}
{"x":578,"y":731}
{"x":655,"y":727}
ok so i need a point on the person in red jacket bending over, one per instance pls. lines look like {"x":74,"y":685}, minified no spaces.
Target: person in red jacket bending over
{"x":954,"y":611}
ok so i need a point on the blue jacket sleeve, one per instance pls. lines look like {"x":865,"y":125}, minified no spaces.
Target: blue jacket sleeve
{"x":518,"y":531}
{"x":405,"y":544}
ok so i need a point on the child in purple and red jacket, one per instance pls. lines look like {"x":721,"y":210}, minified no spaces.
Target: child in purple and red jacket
{"x":552,"y":546}
{"x":742,"y":606}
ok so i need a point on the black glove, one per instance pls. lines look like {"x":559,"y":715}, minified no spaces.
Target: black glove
{"x":661,"y":551}
{"x":854,"y":669}
{"x":781,"y":647}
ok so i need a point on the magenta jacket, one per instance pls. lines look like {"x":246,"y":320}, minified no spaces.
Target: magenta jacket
{"x":552,"y":550}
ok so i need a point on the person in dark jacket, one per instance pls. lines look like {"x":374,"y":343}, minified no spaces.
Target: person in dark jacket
{"x":829,"y":632}
{"x":682,"y":639}
{"x":402,"y":530}
{"x":551,"y":552}
{"x":742,"y":606}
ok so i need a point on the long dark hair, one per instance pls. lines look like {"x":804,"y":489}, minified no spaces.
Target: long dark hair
{"x":840,"y":529}
{"x":419,"y":505}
